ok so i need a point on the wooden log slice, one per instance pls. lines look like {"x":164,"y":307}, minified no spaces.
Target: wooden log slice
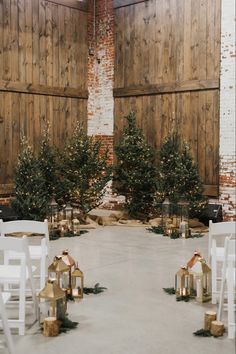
{"x":217,"y":328}
{"x":50,"y":327}
{"x":209,"y":317}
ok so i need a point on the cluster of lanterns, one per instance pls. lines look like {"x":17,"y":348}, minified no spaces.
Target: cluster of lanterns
{"x":63,"y":220}
{"x":65,"y":279}
{"x":194,"y":279}
{"x":175,"y":218}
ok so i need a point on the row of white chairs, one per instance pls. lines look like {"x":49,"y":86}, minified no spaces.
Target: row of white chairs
{"x":17,"y":271}
{"x":221,"y":258}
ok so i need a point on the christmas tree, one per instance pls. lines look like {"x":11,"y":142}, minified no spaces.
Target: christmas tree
{"x":178,"y":175}
{"x":135,"y":174}
{"x":85,"y":171}
{"x":48,"y":164}
{"x":31,"y":200}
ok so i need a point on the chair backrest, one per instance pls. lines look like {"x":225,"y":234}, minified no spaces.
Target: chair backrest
{"x":226,"y":228}
{"x":20,"y":245}
{"x":24,"y":226}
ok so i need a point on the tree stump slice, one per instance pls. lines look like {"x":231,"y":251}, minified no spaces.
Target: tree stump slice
{"x":217,"y":328}
{"x":50,"y":327}
{"x":209,"y":317}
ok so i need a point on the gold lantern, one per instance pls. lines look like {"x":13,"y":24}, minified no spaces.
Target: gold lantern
{"x":69,"y":215}
{"x":75,"y":226}
{"x":53,"y":213}
{"x":182,"y":282}
{"x":201,"y":275}
{"x":59,"y":270}
{"x":196,"y":257}
{"x":77,"y":281}
{"x":166,"y":211}
{"x":183,"y":218}
{"x":52,"y":301}
{"x":70,"y":262}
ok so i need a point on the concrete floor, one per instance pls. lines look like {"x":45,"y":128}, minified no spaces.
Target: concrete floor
{"x":134,"y":316}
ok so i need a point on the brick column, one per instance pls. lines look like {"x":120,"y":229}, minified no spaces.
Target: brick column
{"x":101,"y":72}
{"x":227,"y":111}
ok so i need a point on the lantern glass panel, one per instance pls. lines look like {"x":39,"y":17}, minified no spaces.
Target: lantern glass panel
{"x":77,"y":283}
{"x":69,"y":213}
{"x":76,"y":226}
{"x":53,"y":212}
{"x":201,"y":280}
{"x":183,"y":211}
{"x":182,"y":282}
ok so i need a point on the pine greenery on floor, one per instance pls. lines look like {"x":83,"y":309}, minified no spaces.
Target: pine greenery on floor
{"x":160,"y":230}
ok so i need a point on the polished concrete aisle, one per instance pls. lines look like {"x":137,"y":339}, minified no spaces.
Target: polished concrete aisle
{"x":134,"y":315}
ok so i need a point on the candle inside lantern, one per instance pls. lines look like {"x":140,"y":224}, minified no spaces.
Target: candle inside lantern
{"x":199,"y":289}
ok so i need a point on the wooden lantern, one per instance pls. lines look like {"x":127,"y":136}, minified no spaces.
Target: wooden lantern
{"x":77,"y":281}
{"x":59,"y":270}
{"x":182,"y":282}
{"x":52,"y":301}
{"x":70,"y":262}
{"x":201,"y":275}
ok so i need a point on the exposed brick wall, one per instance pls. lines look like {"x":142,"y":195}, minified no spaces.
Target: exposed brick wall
{"x":106,"y":143}
{"x":101,"y":71}
{"x":227,"y":111}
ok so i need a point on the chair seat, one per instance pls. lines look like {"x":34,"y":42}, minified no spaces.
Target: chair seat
{"x":12,"y":273}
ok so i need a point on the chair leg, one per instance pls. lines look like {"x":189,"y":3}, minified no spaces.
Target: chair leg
{"x":231,"y":316}
{"x":7,"y":331}
{"x":22,"y":296}
{"x":214,"y":283}
{"x":42,"y":272}
{"x":34,"y":298}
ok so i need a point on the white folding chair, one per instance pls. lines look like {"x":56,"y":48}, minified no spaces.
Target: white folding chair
{"x":217,"y":234}
{"x":37,"y":252}
{"x":4,"y":297}
{"x":17,"y":277}
{"x":228,"y":280}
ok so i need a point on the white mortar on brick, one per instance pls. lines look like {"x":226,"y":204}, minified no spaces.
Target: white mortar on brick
{"x":227,"y":109}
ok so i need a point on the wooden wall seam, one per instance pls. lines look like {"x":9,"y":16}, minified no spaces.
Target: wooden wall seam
{"x":77,"y":5}
{"x":123,"y":3}
{"x":141,"y":90}
{"x":11,"y":86}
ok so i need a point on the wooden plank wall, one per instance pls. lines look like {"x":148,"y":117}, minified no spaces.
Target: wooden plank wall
{"x":167,"y":70}
{"x":43,"y":73}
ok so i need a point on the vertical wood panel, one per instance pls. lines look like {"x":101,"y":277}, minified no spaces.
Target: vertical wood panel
{"x":28,"y":41}
{"x":1,"y":40}
{"x":6,"y":40}
{"x":14,"y":41}
{"x":55,"y":44}
{"x":42,"y":42}
{"x":49,"y":44}
{"x":35,"y":45}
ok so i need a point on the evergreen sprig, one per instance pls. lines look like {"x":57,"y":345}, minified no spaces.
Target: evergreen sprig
{"x":66,"y":324}
{"x":156,"y":229}
{"x":169,"y":291}
{"x":202,"y":333}
{"x":97,"y":289}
